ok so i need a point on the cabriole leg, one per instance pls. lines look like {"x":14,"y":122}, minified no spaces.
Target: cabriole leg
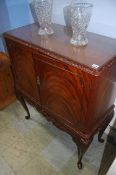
{"x":81,"y":152}
{"x":22,"y":101}
{"x":82,"y":148}
{"x":104,"y":127}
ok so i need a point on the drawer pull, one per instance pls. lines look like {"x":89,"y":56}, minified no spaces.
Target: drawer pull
{"x":38,"y":80}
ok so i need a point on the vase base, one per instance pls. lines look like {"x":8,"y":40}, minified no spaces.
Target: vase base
{"x":45,"y":31}
{"x":79,"y":42}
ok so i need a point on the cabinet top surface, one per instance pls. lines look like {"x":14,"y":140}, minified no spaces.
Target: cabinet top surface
{"x":99,"y":52}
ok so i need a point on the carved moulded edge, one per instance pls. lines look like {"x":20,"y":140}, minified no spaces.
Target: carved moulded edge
{"x":66,"y":60}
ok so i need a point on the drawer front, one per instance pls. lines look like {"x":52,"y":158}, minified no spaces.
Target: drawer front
{"x":61,"y":92}
{"x":23,"y":69}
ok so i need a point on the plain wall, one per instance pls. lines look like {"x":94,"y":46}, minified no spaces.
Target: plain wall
{"x":19,"y":13}
{"x":103,"y":19}
{"x":4,"y":17}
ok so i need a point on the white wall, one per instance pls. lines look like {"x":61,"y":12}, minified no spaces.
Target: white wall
{"x":103,"y":19}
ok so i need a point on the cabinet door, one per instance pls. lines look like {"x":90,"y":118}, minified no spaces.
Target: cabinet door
{"x":23,"y":69}
{"x":61,"y":91}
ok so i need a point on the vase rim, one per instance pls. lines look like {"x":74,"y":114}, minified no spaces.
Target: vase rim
{"x":82,"y":5}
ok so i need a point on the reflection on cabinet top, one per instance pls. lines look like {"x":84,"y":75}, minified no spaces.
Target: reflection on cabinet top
{"x":100,"y":52}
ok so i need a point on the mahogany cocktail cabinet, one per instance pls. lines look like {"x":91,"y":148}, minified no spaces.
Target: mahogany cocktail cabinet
{"x":74,"y":87}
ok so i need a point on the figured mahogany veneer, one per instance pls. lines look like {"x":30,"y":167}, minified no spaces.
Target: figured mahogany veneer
{"x":73,"y":87}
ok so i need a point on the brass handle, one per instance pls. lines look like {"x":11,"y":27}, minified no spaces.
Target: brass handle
{"x":38,"y":80}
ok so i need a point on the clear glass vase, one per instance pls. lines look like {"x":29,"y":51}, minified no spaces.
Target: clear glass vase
{"x":80,"y":18}
{"x":43,"y":10}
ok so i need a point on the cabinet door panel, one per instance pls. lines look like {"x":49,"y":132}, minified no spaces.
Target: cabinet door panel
{"x":61,"y":92}
{"x":23,"y":68}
